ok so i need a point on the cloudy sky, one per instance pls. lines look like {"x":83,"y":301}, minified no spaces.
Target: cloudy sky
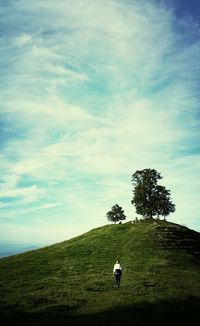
{"x":90,"y":92}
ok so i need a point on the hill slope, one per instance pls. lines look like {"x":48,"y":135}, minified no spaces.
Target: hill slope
{"x":61,"y":283}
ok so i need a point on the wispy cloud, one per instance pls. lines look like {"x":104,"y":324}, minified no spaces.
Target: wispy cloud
{"x":23,"y":39}
{"x":90,"y":93}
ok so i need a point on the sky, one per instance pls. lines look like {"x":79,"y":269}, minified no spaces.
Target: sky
{"x":90,"y":92}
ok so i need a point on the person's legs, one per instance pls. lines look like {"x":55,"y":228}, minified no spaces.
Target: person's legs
{"x":117,"y":279}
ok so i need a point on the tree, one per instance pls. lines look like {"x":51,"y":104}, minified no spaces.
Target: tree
{"x":149,"y":198}
{"x":116,"y":214}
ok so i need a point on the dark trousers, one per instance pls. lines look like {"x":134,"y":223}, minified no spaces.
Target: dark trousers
{"x":117,"y":278}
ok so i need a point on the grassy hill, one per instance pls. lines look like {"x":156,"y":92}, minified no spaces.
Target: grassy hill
{"x":72,"y":283}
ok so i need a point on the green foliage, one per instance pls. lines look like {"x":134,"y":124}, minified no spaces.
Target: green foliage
{"x":150,"y":199}
{"x":116,"y":214}
{"x":71,"y":283}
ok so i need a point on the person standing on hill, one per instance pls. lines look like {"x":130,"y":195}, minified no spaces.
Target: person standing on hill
{"x":117,"y":271}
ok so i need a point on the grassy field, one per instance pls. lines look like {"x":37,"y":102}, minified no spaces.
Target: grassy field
{"x":72,"y":283}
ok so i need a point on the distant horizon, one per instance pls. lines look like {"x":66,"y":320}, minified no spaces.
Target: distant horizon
{"x":11,"y":249}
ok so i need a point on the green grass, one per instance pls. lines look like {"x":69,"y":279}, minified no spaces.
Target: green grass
{"x":72,"y":282}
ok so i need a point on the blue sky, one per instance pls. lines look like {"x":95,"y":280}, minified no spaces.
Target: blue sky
{"x":90,"y":92}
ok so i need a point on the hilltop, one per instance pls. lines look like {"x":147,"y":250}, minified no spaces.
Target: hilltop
{"x":62,"y":283}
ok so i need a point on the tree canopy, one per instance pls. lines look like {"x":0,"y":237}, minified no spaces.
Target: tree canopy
{"x":149,"y":198}
{"x":116,"y":214}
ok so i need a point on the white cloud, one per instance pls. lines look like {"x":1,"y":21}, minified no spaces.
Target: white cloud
{"x":23,"y":39}
{"x":26,"y":195}
{"x":44,"y":207}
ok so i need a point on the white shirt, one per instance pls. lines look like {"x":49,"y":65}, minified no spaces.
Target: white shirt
{"x":117,"y":266}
